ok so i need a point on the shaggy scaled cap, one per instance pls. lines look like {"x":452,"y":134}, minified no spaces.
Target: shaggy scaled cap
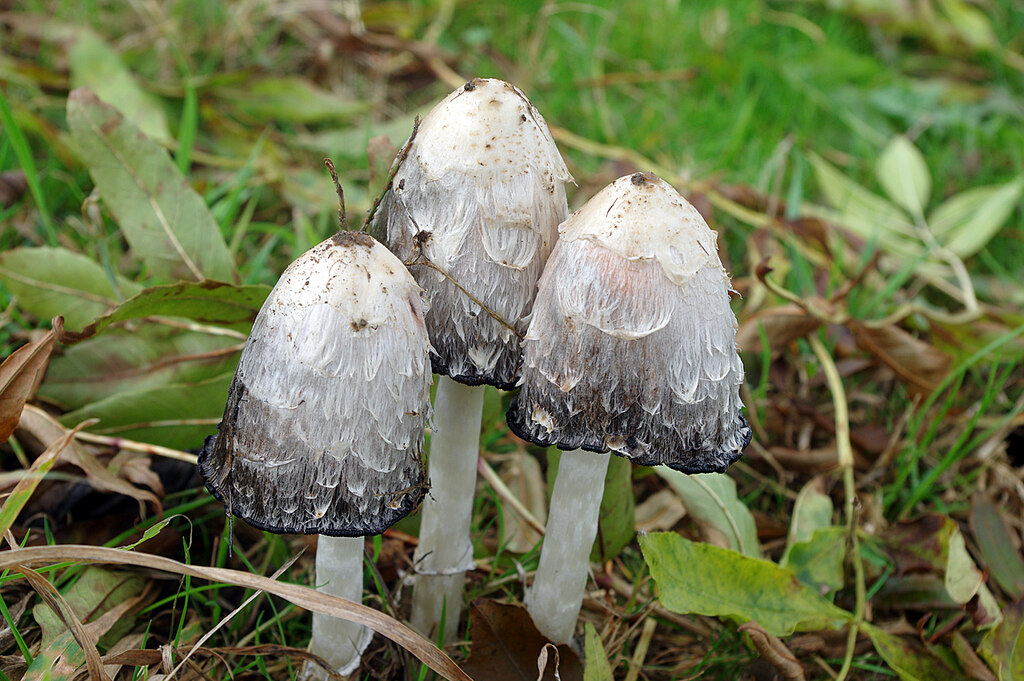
{"x":632,"y":345}
{"x":324,"y":423}
{"x":479,"y":196}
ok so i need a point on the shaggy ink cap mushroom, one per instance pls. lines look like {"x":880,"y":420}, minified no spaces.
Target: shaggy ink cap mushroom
{"x":324,"y":423}
{"x":632,"y":343}
{"x":479,"y":196}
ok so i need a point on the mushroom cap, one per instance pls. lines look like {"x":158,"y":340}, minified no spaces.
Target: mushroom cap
{"x":478,"y":197}
{"x":632,"y":344}
{"x":323,"y":428}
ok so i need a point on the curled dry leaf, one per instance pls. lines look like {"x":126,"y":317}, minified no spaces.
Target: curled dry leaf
{"x":22,"y":492}
{"x":20,"y":375}
{"x":46,"y":430}
{"x":660,"y":511}
{"x":917,"y":364}
{"x":782,"y":325}
{"x":774,"y":651}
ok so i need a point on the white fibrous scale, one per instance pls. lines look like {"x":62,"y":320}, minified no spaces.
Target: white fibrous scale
{"x":324,"y":423}
{"x":632,"y":344}
{"x":473,"y":210}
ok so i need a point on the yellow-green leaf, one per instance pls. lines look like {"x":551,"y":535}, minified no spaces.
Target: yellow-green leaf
{"x":904,"y":175}
{"x":97,"y":66}
{"x":597,"y":667}
{"x":166,"y":223}
{"x":707,"y":580}
{"x":967,"y":221}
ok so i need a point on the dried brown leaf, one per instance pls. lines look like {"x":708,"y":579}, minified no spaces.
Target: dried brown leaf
{"x":774,"y":651}
{"x":782,"y":325}
{"x":660,"y":511}
{"x":45,"y":429}
{"x":20,"y":375}
{"x":507,"y":646}
{"x":919,"y":365}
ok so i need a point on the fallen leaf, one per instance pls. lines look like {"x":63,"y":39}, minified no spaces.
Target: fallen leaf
{"x":904,"y":175}
{"x":206,"y":302}
{"x":908,"y":658}
{"x":774,"y":651}
{"x":660,"y":511}
{"x":22,"y":492}
{"x":95,"y":592}
{"x":782,"y":325}
{"x":1003,"y":646}
{"x":811,"y":512}
{"x":919,"y":365}
{"x":507,"y":645}
{"x":96,"y":65}
{"x":50,"y":281}
{"x":697,"y":578}
{"x":969,"y":660}
{"x":166,"y":223}
{"x":46,"y":430}
{"x":597,"y":667}
{"x":711,"y":500}
{"x":999,"y":546}
{"x":20,"y":375}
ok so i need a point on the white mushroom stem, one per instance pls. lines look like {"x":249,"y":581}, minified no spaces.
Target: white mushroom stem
{"x":445,"y":551}
{"x":555,"y":598}
{"x":339,"y":572}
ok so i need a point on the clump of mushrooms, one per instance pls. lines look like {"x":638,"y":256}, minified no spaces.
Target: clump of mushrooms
{"x":473,"y":210}
{"x":324,"y":423}
{"x":631,"y":349}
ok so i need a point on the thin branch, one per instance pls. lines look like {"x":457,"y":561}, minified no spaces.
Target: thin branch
{"x":402,"y":155}
{"x":342,"y":219}
{"x":498,"y":318}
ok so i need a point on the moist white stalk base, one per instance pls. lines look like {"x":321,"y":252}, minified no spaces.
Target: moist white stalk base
{"x":339,"y":569}
{"x":445,"y":551}
{"x":556,"y":596}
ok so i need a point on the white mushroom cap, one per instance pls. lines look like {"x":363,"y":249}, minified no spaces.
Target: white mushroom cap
{"x":323,"y":429}
{"x":632,"y":345}
{"x":479,"y":195}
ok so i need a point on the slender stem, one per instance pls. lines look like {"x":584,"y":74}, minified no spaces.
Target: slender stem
{"x":445,"y":551}
{"x":556,"y":596}
{"x":845,"y":451}
{"x":339,"y":572}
